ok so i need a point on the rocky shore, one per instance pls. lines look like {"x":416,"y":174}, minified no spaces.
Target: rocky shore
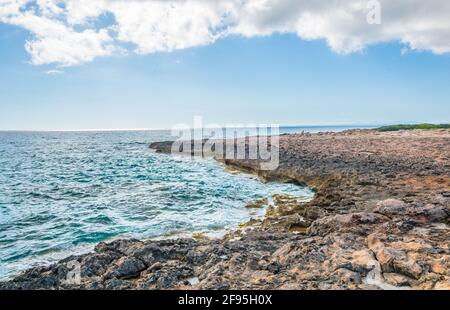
{"x":379,"y":220}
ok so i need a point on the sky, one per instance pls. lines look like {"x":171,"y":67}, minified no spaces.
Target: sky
{"x":115,"y":64}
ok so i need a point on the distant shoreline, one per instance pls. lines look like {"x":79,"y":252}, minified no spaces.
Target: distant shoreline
{"x":168,"y":129}
{"x":381,"y":127}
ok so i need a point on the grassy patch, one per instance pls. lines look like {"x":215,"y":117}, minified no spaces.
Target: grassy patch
{"x":412,"y":127}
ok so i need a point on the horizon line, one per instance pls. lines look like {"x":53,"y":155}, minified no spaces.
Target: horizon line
{"x":168,"y":129}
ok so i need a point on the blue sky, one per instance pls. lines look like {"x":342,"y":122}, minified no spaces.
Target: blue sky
{"x":278,"y":78}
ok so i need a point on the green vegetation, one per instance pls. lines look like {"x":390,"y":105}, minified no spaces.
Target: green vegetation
{"x":412,"y":127}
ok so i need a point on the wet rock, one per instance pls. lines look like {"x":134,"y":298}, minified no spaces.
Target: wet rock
{"x":120,"y":247}
{"x":149,"y":253}
{"x":126,"y":268}
{"x":96,"y":264}
{"x":258,"y":204}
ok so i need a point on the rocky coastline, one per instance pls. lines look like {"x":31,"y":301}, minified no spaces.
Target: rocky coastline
{"x":379,"y":220}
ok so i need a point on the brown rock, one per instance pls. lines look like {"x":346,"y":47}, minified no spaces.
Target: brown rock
{"x":443,"y":285}
{"x":397,"y":279}
{"x":358,"y":222}
{"x":348,"y":277}
{"x":391,"y":207}
{"x":258,"y":204}
{"x":434,"y":213}
{"x":441,"y":266}
{"x":408,"y":267}
{"x":393,"y":259}
{"x":282,"y":253}
{"x":385,"y":256}
{"x":362,"y":260}
{"x":423,"y":214}
{"x":414,"y":246}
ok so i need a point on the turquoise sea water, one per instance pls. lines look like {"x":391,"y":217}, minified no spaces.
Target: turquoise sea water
{"x":63,"y":192}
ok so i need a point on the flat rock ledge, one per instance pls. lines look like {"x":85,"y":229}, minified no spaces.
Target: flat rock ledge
{"x":379,"y":220}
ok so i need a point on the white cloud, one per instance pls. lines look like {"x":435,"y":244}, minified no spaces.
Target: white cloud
{"x":54,"y":72}
{"x":53,"y":40}
{"x":70,"y":32}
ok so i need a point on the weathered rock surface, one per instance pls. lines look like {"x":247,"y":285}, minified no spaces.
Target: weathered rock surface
{"x":380,"y":219}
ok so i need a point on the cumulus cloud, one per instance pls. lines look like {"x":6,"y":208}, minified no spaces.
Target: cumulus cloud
{"x":70,"y":32}
{"x":53,"y":40}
